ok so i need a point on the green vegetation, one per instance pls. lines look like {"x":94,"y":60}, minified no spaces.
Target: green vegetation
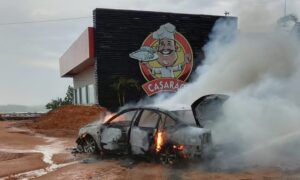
{"x":55,"y":103}
{"x":123,"y":85}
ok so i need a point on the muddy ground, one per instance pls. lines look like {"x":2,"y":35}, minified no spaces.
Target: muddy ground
{"x":25,"y":154}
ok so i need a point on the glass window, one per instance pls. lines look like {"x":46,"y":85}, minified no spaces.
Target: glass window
{"x":83,"y":95}
{"x":87,"y":95}
{"x":91,"y":93}
{"x":127,"y":116}
{"x":74,"y":96}
{"x":78,"y":96}
{"x":149,"y":119}
{"x":169,"y":122}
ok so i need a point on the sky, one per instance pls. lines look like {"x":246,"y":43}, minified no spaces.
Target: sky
{"x":30,"y":52}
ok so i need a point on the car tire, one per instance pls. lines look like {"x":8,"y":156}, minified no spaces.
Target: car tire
{"x":90,"y":145}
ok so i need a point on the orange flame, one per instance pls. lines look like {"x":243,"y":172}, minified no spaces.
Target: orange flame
{"x":159,"y":141}
{"x":117,"y":119}
{"x":108,"y":116}
{"x":178,"y":147}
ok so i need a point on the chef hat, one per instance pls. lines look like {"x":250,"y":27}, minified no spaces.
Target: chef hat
{"x":165,"y":31}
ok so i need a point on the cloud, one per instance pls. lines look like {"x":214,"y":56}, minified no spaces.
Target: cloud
{"x":37,"y":47}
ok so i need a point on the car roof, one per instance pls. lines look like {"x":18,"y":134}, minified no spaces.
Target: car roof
{"x":171,"y":107}
{"x":163,"y":108}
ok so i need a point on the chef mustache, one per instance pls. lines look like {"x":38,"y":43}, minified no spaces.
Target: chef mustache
{"x":163,"y":51}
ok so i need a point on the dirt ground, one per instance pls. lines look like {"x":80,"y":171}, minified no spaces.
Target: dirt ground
{"x":24,"y":154}
{"x":66,"y":120}
{"x":41,"y":149}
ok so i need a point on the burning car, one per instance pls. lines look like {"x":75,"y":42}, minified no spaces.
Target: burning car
{"x":167,"y":134}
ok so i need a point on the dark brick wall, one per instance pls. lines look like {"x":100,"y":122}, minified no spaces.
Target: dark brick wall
{"x":120,"y":32}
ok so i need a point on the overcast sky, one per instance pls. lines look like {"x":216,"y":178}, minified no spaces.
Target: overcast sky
{"x":29,"y":53}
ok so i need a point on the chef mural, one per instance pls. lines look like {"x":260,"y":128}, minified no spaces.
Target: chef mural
{"x":165,"y":59}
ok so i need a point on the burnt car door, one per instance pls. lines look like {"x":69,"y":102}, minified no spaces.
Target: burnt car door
{"x":143,"y":132}
{"x":114,"y":133}
{"x":208,"y":108}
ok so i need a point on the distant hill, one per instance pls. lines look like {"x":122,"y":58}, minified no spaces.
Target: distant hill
{"x":22,"y":108}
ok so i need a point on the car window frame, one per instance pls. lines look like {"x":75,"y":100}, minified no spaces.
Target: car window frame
{"x":164,"y":121}
{"x":122,"y":112}
{"x":137,"y":121}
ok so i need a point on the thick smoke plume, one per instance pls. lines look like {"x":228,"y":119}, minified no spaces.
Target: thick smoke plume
{"x":261,"y":73}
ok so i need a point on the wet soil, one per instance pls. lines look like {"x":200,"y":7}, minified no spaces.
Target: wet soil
{"x":25,"y":154}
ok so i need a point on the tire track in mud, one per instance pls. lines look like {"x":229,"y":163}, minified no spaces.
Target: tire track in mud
{"x":5,"y":156}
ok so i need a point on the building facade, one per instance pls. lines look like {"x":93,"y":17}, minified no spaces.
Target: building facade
{"x":128,"y":55}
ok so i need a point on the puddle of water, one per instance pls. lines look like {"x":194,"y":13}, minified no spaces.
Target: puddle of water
{"x":40,"y":172}
{"x":54,"y":146}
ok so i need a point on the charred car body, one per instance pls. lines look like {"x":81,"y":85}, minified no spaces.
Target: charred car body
{"x":167,"y":134}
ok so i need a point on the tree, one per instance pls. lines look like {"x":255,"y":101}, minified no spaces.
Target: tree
{"x":122,"y":85}
{"x":69,"y":96}
{"x":55,"y":103}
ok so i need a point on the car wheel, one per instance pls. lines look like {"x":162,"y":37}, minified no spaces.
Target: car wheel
{"x":168,"y":156}
{"x":90,"y":145}
{"x":79,"y":148}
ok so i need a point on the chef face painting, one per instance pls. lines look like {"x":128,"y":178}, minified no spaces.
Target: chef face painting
{"x":165,"y":59}
{"x":166,"y":52}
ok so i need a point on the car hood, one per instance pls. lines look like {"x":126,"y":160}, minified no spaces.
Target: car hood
{"x":90,"y":128}
{"x":208,"y":108}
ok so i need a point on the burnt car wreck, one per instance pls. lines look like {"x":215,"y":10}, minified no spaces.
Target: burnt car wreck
{"x":167,"y":134}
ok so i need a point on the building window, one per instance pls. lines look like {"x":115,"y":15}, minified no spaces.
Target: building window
{"x":91,"y":94}
{"x":74,"y":96}
{"x":87,"y":95}
{"x":83,"y":95}
{"x":78,"y":96}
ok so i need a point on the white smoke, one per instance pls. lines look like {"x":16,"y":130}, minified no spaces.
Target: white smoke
{"x":261,"y":73}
